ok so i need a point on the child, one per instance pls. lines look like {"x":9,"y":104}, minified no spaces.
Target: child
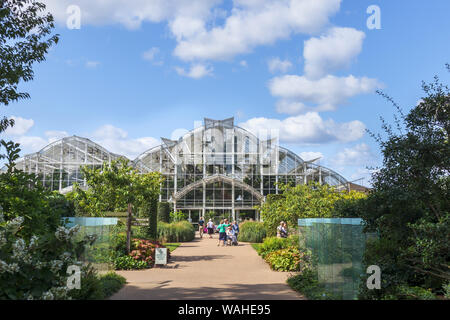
{"x":230,"y":234}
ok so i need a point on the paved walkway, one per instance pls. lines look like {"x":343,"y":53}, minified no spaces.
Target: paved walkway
{"x":202,"y":270}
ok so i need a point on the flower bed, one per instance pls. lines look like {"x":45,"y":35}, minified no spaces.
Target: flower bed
{"x":284,"y":254}
{"x":142,"y":255}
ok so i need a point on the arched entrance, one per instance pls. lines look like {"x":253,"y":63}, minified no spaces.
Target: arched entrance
{"x":218,"y":196}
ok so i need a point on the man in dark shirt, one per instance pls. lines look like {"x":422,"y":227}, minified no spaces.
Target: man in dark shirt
{"x":201,"y":224}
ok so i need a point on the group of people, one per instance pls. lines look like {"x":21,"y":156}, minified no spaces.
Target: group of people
{"x":228,"y":232}
{"x":282,"y":230}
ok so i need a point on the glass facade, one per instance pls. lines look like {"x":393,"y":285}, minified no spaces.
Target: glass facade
{"x":217,"y":166}
{"x":338,"y":246}
{"x":58,"y":165}
{"x":98,"y":253}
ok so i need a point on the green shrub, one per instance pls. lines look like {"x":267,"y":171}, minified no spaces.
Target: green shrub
{"x":271,"y":244}
{"x":178,"y":216}
{"x":119,"y":243}
{"x":164,"y":212}
{"x":289,"y":259}
{"x":308,"y":285}
{"x":181,"y":231}
{"x":60,"y":204}
{"x":142,"y":253}
{"x":414,"y":293}
{"x":151,"y":209}
{"x":128,"y":263}
{"x":252,"y":231}
{"x":90,"y":289}
{"x":97,"y":287}
{"x":144,"y":250}
{"x":110,"y":283}
{"x":446,"y":289}
{"x":37,"y":269}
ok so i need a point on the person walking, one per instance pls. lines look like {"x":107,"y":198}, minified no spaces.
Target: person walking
{"x":201,"y":223}
{"x":210,"y":227}
{"x":235,"y":226}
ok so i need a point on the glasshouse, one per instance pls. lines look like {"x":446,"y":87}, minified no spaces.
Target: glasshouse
{"x":216,"y":167}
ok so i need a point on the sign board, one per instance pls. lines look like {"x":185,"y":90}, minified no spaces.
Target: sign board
{"x":161,"y":256}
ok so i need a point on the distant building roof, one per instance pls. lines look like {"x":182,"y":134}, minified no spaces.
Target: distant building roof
{"x":358,"y":187}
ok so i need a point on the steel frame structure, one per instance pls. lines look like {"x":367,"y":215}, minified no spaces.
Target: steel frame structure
{"x":215,"y":166}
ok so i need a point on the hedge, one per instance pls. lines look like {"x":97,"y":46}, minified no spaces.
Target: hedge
{"x":252,"y":231}
{"x":181,"y":231}
{"x":164,"y":212}
{"x":152,"y":208}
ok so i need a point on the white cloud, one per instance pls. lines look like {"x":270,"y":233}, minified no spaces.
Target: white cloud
{"x":116,"y":140}
{"x":152,"y":55}
{"x":278,"y":65}
{"x":196,"y":71}
{"x":21,"y":126}
{"x":130,"y":13}
{"x":193,"y":22}
{"x":356,"y":156}
{"x":253,"y":24}
{"x":309,"y":128}
{"x":291,"y":107}
{"x":92,"y":64}
{"x":53,"y":136}
{"x":112,"y":138}
{"x":325,"y":93}
{"x":108,"y":131}
{"x":243,"y":63}
{"x":332,"y":51}
{"x":130,"y":148}
{"x":30,"y":144}
{"x":363,"y":176}
{"x":177,"y":133}
{"x":310,"y":155}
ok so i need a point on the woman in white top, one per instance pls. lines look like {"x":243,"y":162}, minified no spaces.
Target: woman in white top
{"x":210,"y":227}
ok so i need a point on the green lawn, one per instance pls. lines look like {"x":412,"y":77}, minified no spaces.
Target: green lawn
{"x":172,"y":246}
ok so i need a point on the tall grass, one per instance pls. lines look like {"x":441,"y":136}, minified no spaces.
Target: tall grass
{"x":181,"y":231}
{"x":252,"y":231}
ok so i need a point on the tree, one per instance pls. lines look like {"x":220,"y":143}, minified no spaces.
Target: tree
{"x":22,"y":195}
{"x":303,"y":201}
{"x":118,"y":185}
{"x":24,"y":39}
{"x":409,"y":205}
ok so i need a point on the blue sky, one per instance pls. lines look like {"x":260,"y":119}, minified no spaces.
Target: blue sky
{"x":139,"y":70}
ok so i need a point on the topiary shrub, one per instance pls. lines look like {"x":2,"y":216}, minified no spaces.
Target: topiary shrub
{"x":164,"y":212}
{"x":181,"y":231}
{"x":252,"y":231}
{"x":152,"y":212}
